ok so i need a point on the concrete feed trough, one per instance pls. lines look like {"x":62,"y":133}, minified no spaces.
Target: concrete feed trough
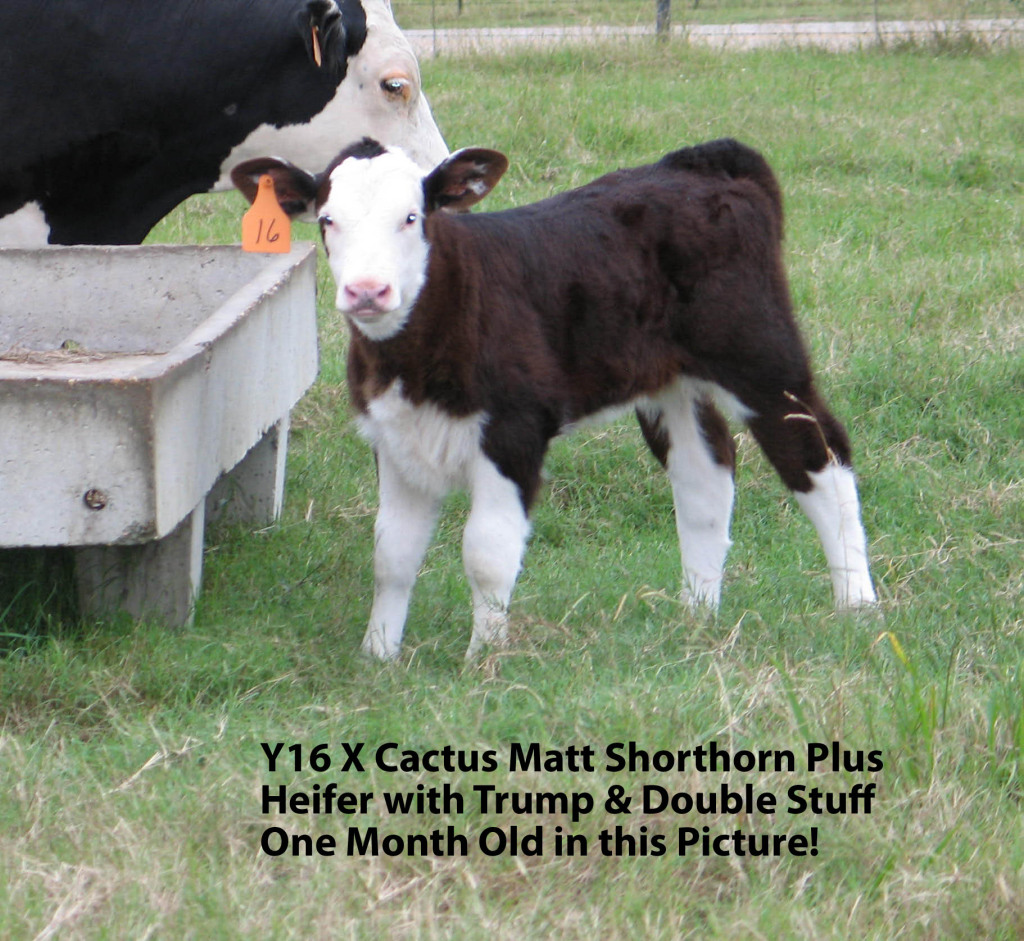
{"x":141,"y":389}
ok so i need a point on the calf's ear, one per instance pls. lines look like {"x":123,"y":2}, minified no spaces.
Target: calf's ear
{"x":463,"y":179}
{"x":295,"y":188}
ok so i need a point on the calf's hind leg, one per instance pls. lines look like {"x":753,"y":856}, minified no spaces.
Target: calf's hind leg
{"x":809,"y":448}
{"x":691,"y":439}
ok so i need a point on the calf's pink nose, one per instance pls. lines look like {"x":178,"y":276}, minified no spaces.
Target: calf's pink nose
{"x":367,"y":293}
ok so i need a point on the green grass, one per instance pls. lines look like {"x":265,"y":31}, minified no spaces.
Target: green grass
{"x":130,"y":758}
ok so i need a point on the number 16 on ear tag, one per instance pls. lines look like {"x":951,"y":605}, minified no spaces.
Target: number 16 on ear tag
{"x":266,"y":226}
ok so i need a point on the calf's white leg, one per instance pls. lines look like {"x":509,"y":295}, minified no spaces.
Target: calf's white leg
{"x":405,"y":523}
{"x":702,"y":490}
{"x":834,"y":508}
{"x":493,"y":543}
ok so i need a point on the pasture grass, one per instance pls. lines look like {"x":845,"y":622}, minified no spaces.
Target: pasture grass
{"x":130,"y":758}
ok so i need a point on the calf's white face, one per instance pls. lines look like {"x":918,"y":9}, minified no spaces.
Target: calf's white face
{"x":372,"y":204}
{"x":372,"y":223}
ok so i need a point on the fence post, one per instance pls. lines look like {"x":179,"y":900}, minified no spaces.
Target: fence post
{"x":663,"y":19}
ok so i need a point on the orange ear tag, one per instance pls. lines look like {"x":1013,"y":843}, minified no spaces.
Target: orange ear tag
{"x":318,"y":57}
{"x":266,"y":226}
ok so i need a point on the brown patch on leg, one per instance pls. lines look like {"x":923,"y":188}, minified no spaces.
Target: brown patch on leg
{"x":715,"y":430}
{"x":800,"y":436}
{"x":654,"y":434}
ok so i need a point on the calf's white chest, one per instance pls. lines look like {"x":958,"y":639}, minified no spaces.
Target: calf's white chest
{"x":432,"y":450}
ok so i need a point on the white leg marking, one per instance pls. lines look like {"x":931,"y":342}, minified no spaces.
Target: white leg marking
{"x":423,"y":453}
{"x":834,"y":509}
{"x":405,"y":523}
{"x":703,"y":494}
{"x":493,"y":543}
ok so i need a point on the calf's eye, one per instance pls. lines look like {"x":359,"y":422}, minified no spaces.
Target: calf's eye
{"x":411,"y":219}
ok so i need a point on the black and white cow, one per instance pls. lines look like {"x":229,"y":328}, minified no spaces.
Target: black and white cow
{"x":114,"y":111}
{"x":478,"y":338}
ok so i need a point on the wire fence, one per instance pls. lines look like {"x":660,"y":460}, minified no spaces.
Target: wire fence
{"x":447,"y":14}
{"x":469,"y":27}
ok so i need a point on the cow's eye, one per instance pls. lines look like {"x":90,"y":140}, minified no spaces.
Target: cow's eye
{"x":395,"y":86}
{"x":326,"y":222}
{"x":411,"y":219}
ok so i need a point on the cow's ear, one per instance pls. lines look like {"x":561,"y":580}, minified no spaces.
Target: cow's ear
{"x":463,"y":179}
{"x":328,"y":41}
{"x":295,"y":188}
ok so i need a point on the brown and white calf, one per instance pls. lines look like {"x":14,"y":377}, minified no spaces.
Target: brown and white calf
{"x":479,"y":337}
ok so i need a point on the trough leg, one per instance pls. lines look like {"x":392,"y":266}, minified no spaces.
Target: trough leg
{"x":252,"y":492}
{"x":156,"y":580}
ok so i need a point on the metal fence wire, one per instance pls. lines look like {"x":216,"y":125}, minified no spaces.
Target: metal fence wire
{"x":447,"y":14}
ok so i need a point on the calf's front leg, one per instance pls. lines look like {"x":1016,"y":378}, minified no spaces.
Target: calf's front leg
{"x":405,"y":522}
{"x":493,"y":543}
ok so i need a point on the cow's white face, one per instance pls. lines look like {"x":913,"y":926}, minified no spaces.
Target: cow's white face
{"x":380,"y":97}
{"x":372,"y":223}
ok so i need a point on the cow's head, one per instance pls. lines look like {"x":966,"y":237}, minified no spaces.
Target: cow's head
{"x":380,"y":96}
{"x":372,"y":204}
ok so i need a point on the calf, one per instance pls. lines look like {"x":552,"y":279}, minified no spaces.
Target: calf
{"x":478,"y":338}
